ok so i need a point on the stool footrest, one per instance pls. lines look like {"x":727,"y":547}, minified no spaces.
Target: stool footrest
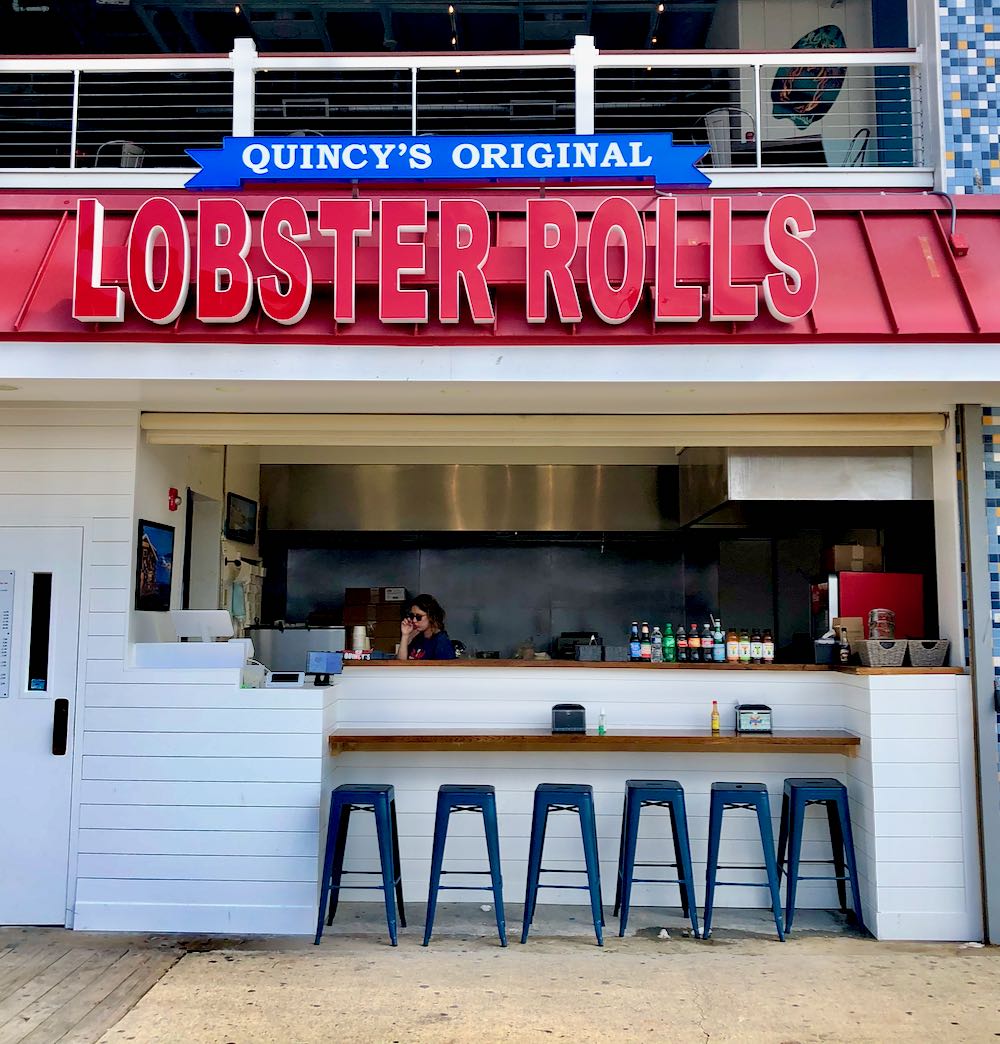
{"x":465,"y":888}
{"x":345,"y":872}
{"x":468,"y":873}
{"x":584,"y":888}
{"x":657,"y":880}
{"x":745,"y":884}
{"x":836,"y":877}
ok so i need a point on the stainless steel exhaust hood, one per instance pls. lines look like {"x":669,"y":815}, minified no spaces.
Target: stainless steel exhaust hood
{"x":470,"y":497}
{"x":716,"y":484}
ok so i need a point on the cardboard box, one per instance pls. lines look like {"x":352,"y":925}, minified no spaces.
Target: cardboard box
{"x":354,"y":615}
{"x":855,"y":628}
{"x":389,"y":612}
{"x":374,"y":595}
{"x":385,"y":630}
{"x":853,"y":558}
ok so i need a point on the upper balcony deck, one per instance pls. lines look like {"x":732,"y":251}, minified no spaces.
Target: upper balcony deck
{"x":798,"y":118}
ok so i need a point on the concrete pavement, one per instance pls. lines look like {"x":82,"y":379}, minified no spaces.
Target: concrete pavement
{"x":825,"y":984}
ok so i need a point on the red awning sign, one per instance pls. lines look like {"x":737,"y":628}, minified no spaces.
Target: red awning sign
{"x":163,"y":258}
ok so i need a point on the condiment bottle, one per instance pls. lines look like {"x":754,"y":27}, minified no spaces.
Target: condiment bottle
{"x":768,"y":644}
{"x":744,"y":646}
{"x":732,"y":646}
{"x":845,"y":648}
{"x":715,"y":718}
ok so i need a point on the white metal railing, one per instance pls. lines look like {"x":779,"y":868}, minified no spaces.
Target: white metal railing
{"x":837,"y":111}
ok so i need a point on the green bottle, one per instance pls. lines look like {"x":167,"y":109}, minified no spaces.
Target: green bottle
{"x":669,"y":645}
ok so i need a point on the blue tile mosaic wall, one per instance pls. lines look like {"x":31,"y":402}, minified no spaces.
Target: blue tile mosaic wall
{"x":970,"y":47}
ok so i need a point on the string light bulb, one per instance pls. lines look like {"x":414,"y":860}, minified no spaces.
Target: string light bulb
{"x":659,"y":8}
{"x":236,"y":9}
{"x":454,"y":40}
{"x":451,"y":9}
{"x":653,"y":41}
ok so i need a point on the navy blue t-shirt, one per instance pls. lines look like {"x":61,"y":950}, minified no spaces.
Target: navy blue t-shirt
{"x":437,"y":647}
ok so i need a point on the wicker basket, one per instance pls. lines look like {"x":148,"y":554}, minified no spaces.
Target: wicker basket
{"x":928,"y":653}
{"x":882,"y":652}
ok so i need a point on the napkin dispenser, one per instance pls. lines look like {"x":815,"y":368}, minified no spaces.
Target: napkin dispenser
{"x":753,"y":717}
{"x":569,"y":717}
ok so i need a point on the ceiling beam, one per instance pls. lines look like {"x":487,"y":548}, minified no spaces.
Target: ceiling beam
{"x":481,"y":430}
{"x":148,"y":20}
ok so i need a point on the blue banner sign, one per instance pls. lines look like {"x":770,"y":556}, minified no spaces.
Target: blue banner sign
{"x":500,"y":157}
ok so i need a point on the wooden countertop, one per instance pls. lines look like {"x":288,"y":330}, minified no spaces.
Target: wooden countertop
{"x":584,"y":665}
{"x":832,"y":741}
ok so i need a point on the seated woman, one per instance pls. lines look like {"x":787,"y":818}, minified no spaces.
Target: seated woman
{"x":422,"y":633}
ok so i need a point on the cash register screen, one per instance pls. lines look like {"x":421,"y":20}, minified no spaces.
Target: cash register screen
{"x":324,"y":662}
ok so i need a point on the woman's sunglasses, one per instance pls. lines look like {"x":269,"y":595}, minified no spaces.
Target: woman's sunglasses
{"x":416,"y":616}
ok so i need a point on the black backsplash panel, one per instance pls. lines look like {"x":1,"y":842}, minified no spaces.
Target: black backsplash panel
{"x":497,"y":597}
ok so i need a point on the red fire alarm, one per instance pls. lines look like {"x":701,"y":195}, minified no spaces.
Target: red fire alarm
{"x":173,"y":499}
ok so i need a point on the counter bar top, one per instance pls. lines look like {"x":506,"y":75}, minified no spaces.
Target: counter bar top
{"x":583,"y":664}
{"x":683,"y":741}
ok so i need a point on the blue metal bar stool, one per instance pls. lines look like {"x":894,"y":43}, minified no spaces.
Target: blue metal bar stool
{"x":656,"y":793}
{"x":832,"y":794}
{"x":472,"y":798}
{"x":753,"y":797}
{"x":357,"y":797}
{"x":563,"y":797}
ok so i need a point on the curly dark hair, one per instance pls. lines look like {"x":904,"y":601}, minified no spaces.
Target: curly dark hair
{"x":432,"y":607}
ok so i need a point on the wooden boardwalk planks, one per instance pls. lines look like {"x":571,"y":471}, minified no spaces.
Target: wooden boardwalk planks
{"x":60,"y":987}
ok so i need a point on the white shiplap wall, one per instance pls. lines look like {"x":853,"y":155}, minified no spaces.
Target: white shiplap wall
{"x":68,"y":466}
{"x":195,"y":803}
{"x":200,"y":804}
{"x":911,"y":787}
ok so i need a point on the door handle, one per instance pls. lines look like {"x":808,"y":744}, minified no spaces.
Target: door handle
{"x":60,"y":726}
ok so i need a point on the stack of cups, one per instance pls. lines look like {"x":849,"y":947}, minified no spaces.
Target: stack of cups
{"x":881,"y":624}
{"x":359,"y":639}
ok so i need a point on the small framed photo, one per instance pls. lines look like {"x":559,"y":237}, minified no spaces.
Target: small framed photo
{"x":241,"y":519}
{"x":154,"y":566}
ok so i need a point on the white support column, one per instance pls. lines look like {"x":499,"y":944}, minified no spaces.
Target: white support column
{"x":585,"y":62}
{"x":244,"y":58}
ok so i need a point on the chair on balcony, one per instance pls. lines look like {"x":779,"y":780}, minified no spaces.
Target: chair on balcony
{"x":724,"y":127}
{"x":119,"y":153}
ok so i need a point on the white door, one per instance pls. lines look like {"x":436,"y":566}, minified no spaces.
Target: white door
{"x":39,"y":633}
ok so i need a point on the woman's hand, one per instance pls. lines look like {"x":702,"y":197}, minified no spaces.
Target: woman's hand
{"x":406,"y":629}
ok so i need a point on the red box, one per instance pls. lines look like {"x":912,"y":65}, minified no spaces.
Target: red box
{"x":903,"y":593}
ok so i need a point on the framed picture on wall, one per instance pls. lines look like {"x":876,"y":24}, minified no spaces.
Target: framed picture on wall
{"x":154,"y":566}
{"x":241,"y":518}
